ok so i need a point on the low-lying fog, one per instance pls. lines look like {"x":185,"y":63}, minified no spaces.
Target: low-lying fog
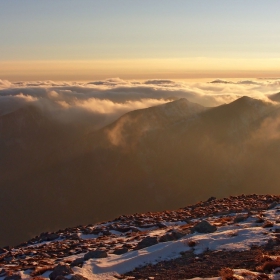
{"x":107,"y":100}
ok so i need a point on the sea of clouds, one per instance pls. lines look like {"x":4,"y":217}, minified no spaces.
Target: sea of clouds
{"x":106,"y":100}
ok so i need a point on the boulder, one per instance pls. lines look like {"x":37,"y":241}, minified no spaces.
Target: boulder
{"x":147,"y":242}
{"x":60,"y":277}
{"x":60,"y":270}
{"x":171,"y":236}
{"x":273,"y":205}
{"x":267,"y":224}
{"x":166,"y":237}
{"x":106,"y":232}
{"x":2,"y":251}
{"x":240,"y":218}
{"x":48,"y":236}
{"x":203,"y":227}
{"x":77,"y":262}
{"x":211,"y":198}
{"x":13,"y":277}
{"x":161,"y":225}
{"x":178,"y":234}
{"x":259,"y":220}
{"x":97,"y":254}
{"x":78,"y":277}
{"x":3,"y":272}
{"x":120,"y":251}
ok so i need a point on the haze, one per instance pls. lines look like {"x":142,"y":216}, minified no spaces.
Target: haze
{"x":116,"y":106}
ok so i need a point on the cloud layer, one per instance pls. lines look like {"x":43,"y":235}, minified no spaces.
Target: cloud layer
{"x":106,"y":100}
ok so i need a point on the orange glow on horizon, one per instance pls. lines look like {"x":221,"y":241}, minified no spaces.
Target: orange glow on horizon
{"x":186,"y":68}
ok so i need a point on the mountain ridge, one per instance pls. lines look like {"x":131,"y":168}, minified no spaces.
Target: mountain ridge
{"x":212,"y":152}
{"x":152,"y":118}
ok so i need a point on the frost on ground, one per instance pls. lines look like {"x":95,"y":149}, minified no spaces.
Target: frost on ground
{"x":144,"y":245}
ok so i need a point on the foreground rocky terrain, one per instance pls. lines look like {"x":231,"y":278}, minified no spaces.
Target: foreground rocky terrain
{"x":232,"y":238}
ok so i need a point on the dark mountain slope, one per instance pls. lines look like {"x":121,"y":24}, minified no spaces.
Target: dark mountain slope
{"x":275,"y":97}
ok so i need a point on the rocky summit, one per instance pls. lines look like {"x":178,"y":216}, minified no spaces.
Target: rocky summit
{"x":232,"y":238}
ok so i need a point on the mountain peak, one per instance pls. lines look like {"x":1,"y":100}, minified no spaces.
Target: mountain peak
{"x":180,"y":100}
{"x":244,"y":103}
{"x":248,"y":100}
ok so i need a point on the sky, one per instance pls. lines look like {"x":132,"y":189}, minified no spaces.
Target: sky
{"x":133,"y":39}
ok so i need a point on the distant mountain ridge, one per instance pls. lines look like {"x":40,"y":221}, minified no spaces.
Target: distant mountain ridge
{"x":56,"y":175}
{"x":139,"y":122}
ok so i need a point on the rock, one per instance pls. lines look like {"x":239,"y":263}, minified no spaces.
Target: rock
{"x":60,"y":270}
{"x":129,"y":246}
{"x":170,"y":236}
{"x":106,"y":232}
{"x":3,"y":272}
{"x":78,"y":277}
{"x":148,"y":225}
{"x":270,"y":244}
{"x":74,"y":236}
{"x":95,"y":254}
{"x":122,"y":229}
{"x":118,"y":276}
{"x":192,"y":243}
{"x":166,"y":237}
{"x":120,"y":251}
{"x":134,"y":229}
{"x":60,"y":277}
{"x":240,"y":218}
{"x":95,"y":231}
{"x":2,"y":251}
{"x":8,"y":257}
{"x":147,"y":242}
{"x":161,"y":225}
{"x":178,"y":234}
{"x":211,"y":198}
{"x":259,"y":220}
{"x":203,"y":227}
{"x":77,"y":262}
{"x":273,"y":205}
{"x":13,"y":277}
{"x":48,"y":236}
{"x":267,"y":224}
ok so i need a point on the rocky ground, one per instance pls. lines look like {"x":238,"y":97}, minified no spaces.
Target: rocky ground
{"x":200,"y":251}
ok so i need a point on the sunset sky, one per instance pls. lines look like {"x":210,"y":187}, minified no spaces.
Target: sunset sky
{"x":133,"y":39}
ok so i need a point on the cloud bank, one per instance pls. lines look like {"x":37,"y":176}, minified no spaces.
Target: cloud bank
{"x":106,"y":100}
